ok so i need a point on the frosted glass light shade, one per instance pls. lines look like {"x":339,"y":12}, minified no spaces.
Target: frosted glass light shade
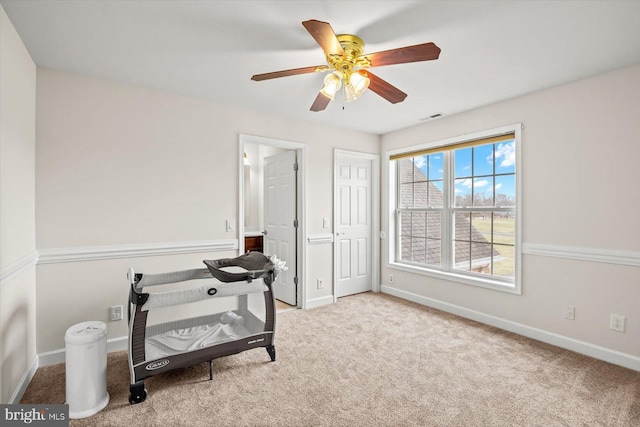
{"x":355,"y":87}
{"x":332,"y":84}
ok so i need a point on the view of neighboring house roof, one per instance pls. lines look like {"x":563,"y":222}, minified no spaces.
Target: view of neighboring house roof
{"x":417,"y":191}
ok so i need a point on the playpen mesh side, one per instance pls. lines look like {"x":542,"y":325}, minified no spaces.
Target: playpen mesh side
{"x":194,"y":325}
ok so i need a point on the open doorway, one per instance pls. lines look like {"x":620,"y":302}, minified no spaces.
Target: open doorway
{"x":270,"y":208}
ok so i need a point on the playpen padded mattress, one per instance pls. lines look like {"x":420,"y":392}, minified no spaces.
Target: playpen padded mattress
{"x":193,"y":338}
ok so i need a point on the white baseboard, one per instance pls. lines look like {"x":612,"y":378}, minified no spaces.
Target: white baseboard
{"x":117,"y":344}
{"x":319,"y":302}
{"x":601,"y":353}
{"x":55,"y":357}
{"x":24,"y":381}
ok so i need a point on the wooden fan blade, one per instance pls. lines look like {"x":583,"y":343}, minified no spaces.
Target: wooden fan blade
{"x":324,"y":35}
{"x":402,"y":55}
{"x":320,"y":103}
{"x":384,"y":89}
{"x":292,"y":72}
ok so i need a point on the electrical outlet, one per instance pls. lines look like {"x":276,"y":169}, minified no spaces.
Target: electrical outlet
{"x":570,"y":313}
{"x":391,"y":278}
{"x":115,"y":312}
{"x":320,"y":283}
{"x":617,"y":323}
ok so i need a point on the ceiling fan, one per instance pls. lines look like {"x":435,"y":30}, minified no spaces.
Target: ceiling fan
{"x":348,"y":64}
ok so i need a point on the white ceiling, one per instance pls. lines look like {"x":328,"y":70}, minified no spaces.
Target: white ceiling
{"x":491,"y":50}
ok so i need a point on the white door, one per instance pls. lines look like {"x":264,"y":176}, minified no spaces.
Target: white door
{"x":279,"y":217}
{"x":353,"y":226}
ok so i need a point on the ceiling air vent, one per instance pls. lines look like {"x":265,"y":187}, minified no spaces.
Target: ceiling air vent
{"x":431,"y":117}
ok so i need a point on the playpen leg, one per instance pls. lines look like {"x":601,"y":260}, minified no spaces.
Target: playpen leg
{"x":272,"y":352}
{"x":210,"y":370}
{"x":138,"y":393}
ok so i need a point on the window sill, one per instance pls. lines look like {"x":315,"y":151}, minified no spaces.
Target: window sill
{"x":511,"y":288}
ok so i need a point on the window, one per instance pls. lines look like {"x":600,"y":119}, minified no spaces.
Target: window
{"x":456,"y":210}
{"x":420,"y":206}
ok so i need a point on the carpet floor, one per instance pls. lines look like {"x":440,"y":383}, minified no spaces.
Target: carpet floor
{"x":374,"y":360}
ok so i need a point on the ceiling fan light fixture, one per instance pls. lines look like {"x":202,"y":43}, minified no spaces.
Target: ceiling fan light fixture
{"x":356,"y":86}
{"x":350,"y":93}
{"x":332,"y":84}
{"x":344,"y":53}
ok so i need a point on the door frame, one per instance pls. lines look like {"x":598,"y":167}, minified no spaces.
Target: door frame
{"x":375,"y":216}
{"x":301,"y":158}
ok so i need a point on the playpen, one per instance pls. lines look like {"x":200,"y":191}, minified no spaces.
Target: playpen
{"x":182,"y":318}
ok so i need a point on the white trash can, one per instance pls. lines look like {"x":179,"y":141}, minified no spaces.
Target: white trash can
{"x":86,"y":368}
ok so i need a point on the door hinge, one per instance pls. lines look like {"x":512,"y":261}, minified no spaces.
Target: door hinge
{"x":295,"y":223}
{"x":295,"y":167}
{"x":295,"y":280}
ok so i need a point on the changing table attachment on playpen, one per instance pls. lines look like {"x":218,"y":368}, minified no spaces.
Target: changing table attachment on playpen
{"x":193,"y":316}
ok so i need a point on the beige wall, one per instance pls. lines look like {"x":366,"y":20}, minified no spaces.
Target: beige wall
{"x":120,"y":165}
{"x":17,"y":212}
{"x":580,"y":188}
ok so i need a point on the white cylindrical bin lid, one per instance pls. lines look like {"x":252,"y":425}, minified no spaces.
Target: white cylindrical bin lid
{"x":85,"y":332}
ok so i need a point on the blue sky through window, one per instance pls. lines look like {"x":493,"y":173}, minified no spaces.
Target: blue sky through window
{"x":430,"y":165}
{"x":483,"y":160}
{"x":473,"y":164}
{"x":435,"y":166}
{"x":474,"y":167}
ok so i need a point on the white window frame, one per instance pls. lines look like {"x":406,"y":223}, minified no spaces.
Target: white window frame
{"x":514,"y":287}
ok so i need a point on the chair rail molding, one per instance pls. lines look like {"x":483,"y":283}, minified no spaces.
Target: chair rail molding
{"x":18,"y":266}
{"x":608,"y":256}
{"x":316,"y":239}
{"x":92,"y":253}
